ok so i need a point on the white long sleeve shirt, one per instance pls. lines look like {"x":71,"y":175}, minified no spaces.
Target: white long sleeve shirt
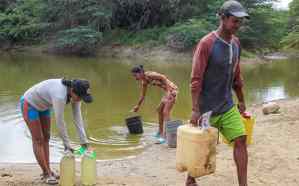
{"x":53,"y":94}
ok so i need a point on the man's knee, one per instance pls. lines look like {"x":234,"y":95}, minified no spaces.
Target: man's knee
{"x":240,"y":141}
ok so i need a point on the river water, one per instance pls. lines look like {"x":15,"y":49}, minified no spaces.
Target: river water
{"x":115,"y":92}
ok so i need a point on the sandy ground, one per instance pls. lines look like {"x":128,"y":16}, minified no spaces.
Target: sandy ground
{"x":273,"y":159}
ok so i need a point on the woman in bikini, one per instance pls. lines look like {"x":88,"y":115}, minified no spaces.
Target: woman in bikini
{"x":168,"y":100}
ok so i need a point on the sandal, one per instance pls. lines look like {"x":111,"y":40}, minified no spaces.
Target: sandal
{"x":44,"y":175}
{"x":51,"y":180}
{"x":56,"y":175}
{"x":156,"y":135}
{"x":160,"y":141}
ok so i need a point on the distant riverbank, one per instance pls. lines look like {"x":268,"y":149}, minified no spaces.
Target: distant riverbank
{"x":146,"y":54}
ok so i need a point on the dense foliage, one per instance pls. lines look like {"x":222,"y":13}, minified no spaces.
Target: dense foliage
{"x":79,"y":40}
{"x":178,"y":24}
{"x":185,"y":35}
{"x":20,"y":21}
{"x":292,"y":39}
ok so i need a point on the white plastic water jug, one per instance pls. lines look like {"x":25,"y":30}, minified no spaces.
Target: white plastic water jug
{"x":196,"y":150}
{"x":88,"y":169}
{"x":67,"y":170}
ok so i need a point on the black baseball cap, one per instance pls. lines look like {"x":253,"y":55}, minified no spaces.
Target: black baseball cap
{"x":233,"y":8}
{"x":81,"y":88}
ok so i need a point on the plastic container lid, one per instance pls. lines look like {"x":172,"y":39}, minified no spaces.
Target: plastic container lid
{"x":80,"y":151}
{"x":246,"y":115}
{"x":90,"y":154}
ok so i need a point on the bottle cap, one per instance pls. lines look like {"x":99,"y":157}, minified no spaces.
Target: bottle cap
{"x":90,"y":153}
{"x":80,"y":151}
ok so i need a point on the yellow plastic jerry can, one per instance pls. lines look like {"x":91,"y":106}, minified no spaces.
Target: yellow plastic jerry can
{"x":248,"y":122}
{"x":196,"y":150}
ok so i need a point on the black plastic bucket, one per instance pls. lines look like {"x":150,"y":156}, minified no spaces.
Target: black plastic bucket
{"x":134,"y":125}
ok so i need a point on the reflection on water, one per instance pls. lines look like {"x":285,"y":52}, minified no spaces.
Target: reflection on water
{"x":15,"y":143}
{"x":273,"y":81}
{"x":115,"y":93}
{"x":272,"y":93}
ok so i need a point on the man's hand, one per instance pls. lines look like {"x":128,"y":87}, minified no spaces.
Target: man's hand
{"x":241,"y":107}
{"x":68,"y":149}
{"x":85,"y":145}
{"x":195,"y":119}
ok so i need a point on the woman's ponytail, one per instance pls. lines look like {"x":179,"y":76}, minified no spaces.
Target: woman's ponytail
{"x":67,"y":83}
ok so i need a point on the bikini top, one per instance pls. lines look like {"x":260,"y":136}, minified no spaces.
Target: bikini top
{"x":161,"y":84}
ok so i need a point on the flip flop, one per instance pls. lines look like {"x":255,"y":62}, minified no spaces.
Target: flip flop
{"x":51,"y":180}
{"x":56,"y":175}
{"x":157,"y":135}
{"x":160,"y":141}
{"x":43,"y":176}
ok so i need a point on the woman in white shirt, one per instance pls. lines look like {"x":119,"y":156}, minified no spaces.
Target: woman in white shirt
{"x":36,"y":104}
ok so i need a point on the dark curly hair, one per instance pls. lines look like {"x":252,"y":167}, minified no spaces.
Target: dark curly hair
{"x":137,"y":69}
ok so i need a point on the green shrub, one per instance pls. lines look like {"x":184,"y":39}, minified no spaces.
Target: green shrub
{"x":80,"y":41}
{"x":142,"y":14}
{"x":247,"y":54}
{"x":20,"y":22}
{"x":17,"y":27}
{"x":292,"y":39}
{"x":180,"y":36}
{"x":185,"y":35}
{"x":153,"y":35}
{"x":68,"y":14}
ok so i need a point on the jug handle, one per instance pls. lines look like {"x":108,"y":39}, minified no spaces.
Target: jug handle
{"x":246,"y":115}
{"x":131,"y":113}
{"x":205,"y":120}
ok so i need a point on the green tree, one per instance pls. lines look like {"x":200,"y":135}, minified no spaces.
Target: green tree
{"x":66,"y":14}
{"x":292,"y":39}
{"x":170,"y":22}
{"x":294,"y":13}
{"x":20,"y":21}
{"x":265,"y":28}
{"x":79,"y":41}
